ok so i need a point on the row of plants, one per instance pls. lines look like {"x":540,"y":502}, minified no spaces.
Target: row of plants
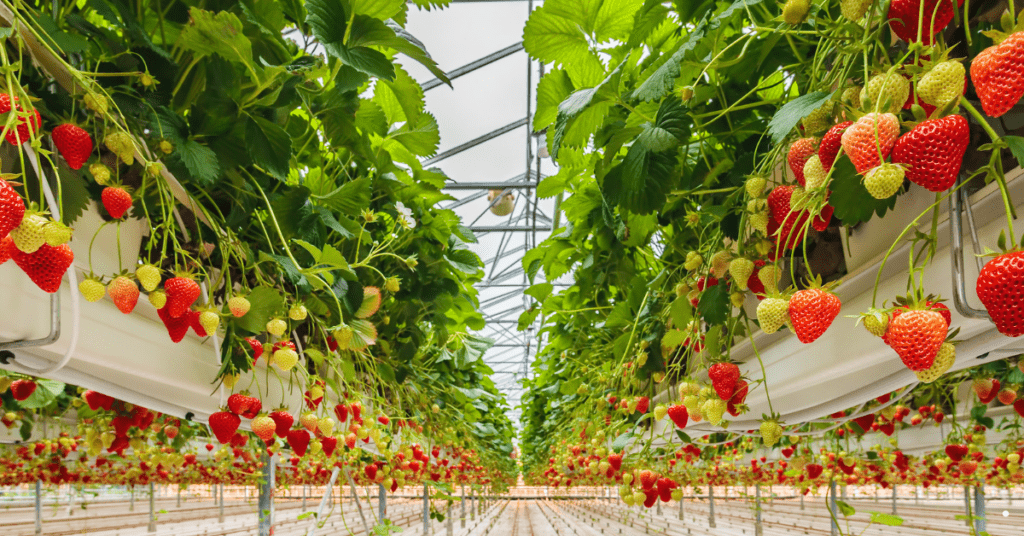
{"x":268,"y":153}
{"x":712,"y":156}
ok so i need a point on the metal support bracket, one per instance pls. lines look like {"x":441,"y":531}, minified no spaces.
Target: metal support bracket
{"x":49,"y":339}
{"x":958,"y":203}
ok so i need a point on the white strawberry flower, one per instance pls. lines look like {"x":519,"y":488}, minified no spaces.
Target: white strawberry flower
{"x":405,"y":218}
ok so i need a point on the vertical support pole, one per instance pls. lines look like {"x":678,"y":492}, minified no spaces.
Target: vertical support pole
{"x":213,"y":492}
{"x":462,"y":501}
{"x":449,"y":527}
{"x":658,"y":509}
{"x":179,"y":496}
{"x":426,"y":511}
{"x":801,"y":501}
{"x":266,"y":496}
{"x":131,"y":503}
{"x":382,"y":503}
{"x":305,"y":491}
{"x":220,"y":504}
{"x":967,"y":505}
{"x":979,"y":509}
{"x":327,"y":497}
{"x":894,"y":499}
{"x":758,"y":529}
{"x":680,"y":509}
{"x":152,"y":510}
{"x":917,"y":495}
{"x":711,"y":507}
{"x":842,"y":492}
{"x":472,"y":505}
{"x":71,"y":499}
{"x":355,"y":495}
{"x":39,"y":507}
{"x":832,"y":507}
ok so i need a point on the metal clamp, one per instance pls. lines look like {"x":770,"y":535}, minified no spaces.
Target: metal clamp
{"x":958,"y":202}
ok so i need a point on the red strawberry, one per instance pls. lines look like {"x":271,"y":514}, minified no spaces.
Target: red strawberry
{"x":905,"y":17}
{"x":257,"y":348}
{"x":799,"y":152}
{"x":6,"y":247}
{"x":813,"y":470}
{"x":370,"y":471}
{"x":237,"y":403}
{"x":182,"y":292}
{"x":116,"y":200}
{"x":24,"y":126}
{"x":177,"y":328}
{"x":1001,"y":290}
{"x":74,"y":144}
{"x":870,"y":135}
{"x":864,"y":421}
{"x":987,"y":396}
{"x":615,"y":461}
{"x":283,"y":421}
{"x":641,"y":405}
{"x":956,"y":452}
{"x":329,"y":444}
{"x":298,"y":440}
{"x":22,"y":389}
{"x":916,"y":335}
{"x":46,"y":266}
{"x":679,"y":415}
{"x":12,"y":209}
{"x":791,"y":224}
{"x":97,"y":400}
{"x":738,"y":397}
{"x":933,"y":151}
{"x":224,"y":424}
{"x":648,"y":479}
{"x":812,"y":312}
{"x":723,"y":378}
{"x":341,"y":412}
{"x":823,"y":219}
{"x":998,"y":75}
{"x":194,"y":323}
{"x":124,"y":292}
{"x":830,"y":144}
{"x":1018,"y":406}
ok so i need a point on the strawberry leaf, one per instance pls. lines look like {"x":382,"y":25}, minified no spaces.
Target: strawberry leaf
{"x":789,"y":115}
{"x":1016,"y":144}
{"x":850,"y":199}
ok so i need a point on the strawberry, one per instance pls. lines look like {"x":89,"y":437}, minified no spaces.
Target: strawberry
{"x":956,"y":452}
{"x":713,"y":410}
{"x":22,"y":389}
{"x":92,"y":290}
{"x":1018,"y":406}
{"x":341,"y":412}
{"x":814,"y":173}
{"x":149,"y":276}
{"x":933,"y":151}
{"x":986,"y":389}
{"x":886,"y":92}
{"x":905,"y":18}
{"x":943,"y":83}
{"x":755,"y":186}
{"x":917,"y":335}
{"x":870,"y":135}
{"x":772,"y":313}
{"x":298,"y":440}
{"x":46,"y":266}
{"x":799,"y":151}
{"x":182,"y":292}
{"x":298,"y":312}
{"x":12,"y":208}
{"x":283,"y":422}
{"x":210,"y":320}
{"x":818,"y":120}
{"x":824,"y":218}
{"x":238,"y":403}
{"x":679,"y":415}
{"x":720,"y":264}
{"x":158,"y":299}
{"x":813,"y":470}
{"x":6,"y":247}
{"x":647,"y":479}
{"x":792,"y":222}
{"x":193,"y":322}
{"x":968,"y":467}
{"x":771,"y":432}
{"x":251,"y":406}
{"x":56,"y":233}
{"x":177,"y":328}
{"x":642,"y":404}
{"x":883,"y":181}
{"x":124,"y":292}
{"x":29,"y":235}
{"x":224,"y":424}
{"x":73,"y":143}
{"x":264,"y":427}
{"x":116,"y":200}
{"x":25,"y":124}
{"x":615,"y":461}
{"x":812,"y":312}
{"x":256,"y":346}
{"x":239,"y":306}
{"x":998,"y":75}
{"x":97,"y":400}
{"x":943,"y":361}
{"x":723,"y":378}
{"x":830,"y":144}
{"x":854,"y":9}
{"x":1000,"y":288}
{"x":276,"y":327}
{"x":101,"y":173}
{"x":735,"y":405}
{"x":1007,"y":395}
{"x":328,"y":444}
{"x":370,"y":471}
{"x":285,"y":358}
{"x":325,"y":425}
{"x":309,"y":421}
{"x":741,"y":270}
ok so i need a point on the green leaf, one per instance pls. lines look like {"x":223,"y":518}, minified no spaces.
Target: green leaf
{"x":553,"y":88}
{"x":540,"y":291}
{"x":1016,"y":144}
{"x":421,"y":138}
{"x":845,"y":509}
{"x":886,"y":519}
{"x":349,"y":198}
{"x":349,"y":370}
{"x":66,"y":42}
{"x":200,"y":161}
{"x":714,"y":304}
{"x":681,"y":312}
{"x":621,"y":441}
{"x":401,"y":99}
{"x":850,"y":199}
{"x":216,"y":33}
{"x":268,"y":145}
{"x":45,"y":394}
{"x":786,"y":119}
{"x":329,"y":21}
{"x":378,"y":9}
{"x":74,"y":196}
{"x":264,"y":303}
{"x":673,"y":338}
{"x":577,"y":102}
{"x":551,"y":38}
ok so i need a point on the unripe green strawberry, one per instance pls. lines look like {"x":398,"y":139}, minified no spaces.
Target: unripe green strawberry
{"x":343,"y":336}
{"x":795,"y":11}
{"x":819,"y":120}
{"x":759,"y":221}
{"x":210,"y":321}
{"x":96,"y":102}
{"x":158,"y":298}
{"x":814,"y":173}
{"x":56,"y":233}
{"x":770,"y":275}
{"x":854,"y":9}
{"x":29,"y":236}
{"x":887,"y":92}
{"x":883,"y":181}
{"x":771,"y":432}
{"x":943,"y":83}
{"x":677,"y":495}
{"x":153,"y":169}
{"x":660,"y":411}
{"x":298,"y":312}
{"x":92,"y":290}
{"x":720,"y":263}
{"x":120,"y":143}
{"x":713,"y":410}
{"x":852,"y":96}
{"x":772,"y":313}
{"x":392,"y":284}
{"x":876,"y":322}
{"x":741,"y":269}
{"x":325,"y":425}
{"x":149,"y":276}
{"x":943,"y":362}
{"x":239,"y":306}
{"x":755,"y":186}
{"x":737,"y":299}
{"x":285,"y":358}
{"x":101,"y":173}
{"x":276,"y":327}
{"x":166,"y":147}
{"x":693,"y":261}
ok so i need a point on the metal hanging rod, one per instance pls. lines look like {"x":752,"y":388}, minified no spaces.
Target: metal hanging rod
{"x":509,"y":228}
{"x":476,"y":141}
{"x":472,"y":66}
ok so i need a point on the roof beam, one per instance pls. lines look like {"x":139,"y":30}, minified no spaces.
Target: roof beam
{"x":472,"y":66}
{"x":476,"y":141}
